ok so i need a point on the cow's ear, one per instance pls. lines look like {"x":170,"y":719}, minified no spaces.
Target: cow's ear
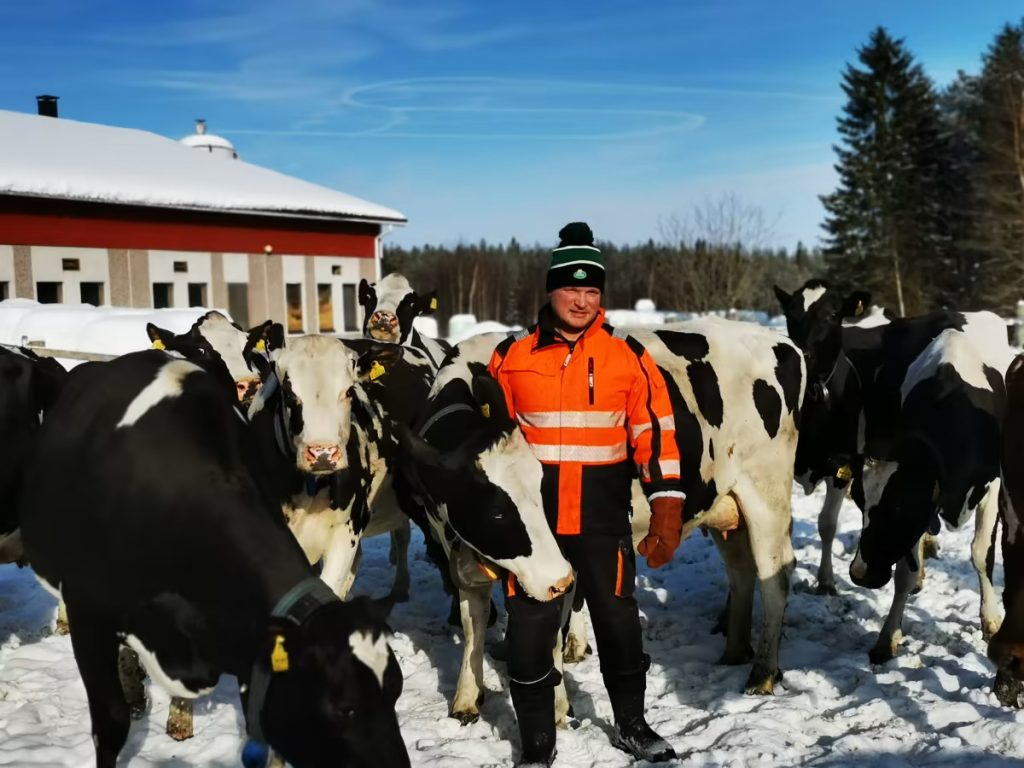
{"x":160,"y":338}
{"x":426,"y":303}
{"x":255,"y":352}
{"x":377,"y":360}
{"x":367,"y":296}
{"x":490,"y":397}
{"x":783,"y":297}
{"x":856,"y":304}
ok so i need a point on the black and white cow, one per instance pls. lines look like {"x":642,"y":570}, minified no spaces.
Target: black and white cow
{"x":214,"y":335}
{"x":159,"y":536}
{"x":29,"y":386}
{"x":944,"y":460}
{"x":1006,"y":648}
{"x":389,"y":308}
{"x":478,"y":483}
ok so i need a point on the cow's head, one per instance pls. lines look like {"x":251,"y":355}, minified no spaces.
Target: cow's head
{"x":814,"y":318}
{"x":29,"y":386}
{"x":488,"y":489}
{"x":334,"y":704}
{"x":212,"y":337}
{"x":390,"y":306}
{"x":319,"y":379}
{"x":900,"y":504}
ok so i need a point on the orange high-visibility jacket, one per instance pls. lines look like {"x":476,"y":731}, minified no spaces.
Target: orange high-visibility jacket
{"x":597,"y":414}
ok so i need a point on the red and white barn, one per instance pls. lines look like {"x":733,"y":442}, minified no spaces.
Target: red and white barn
{"x":119,"y":217}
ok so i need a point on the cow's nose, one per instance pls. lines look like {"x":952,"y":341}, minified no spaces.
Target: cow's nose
{"x":384,"y":320}
{"x":561,"y":586}
{"x":246,"y":388}
{"x":322,"y":456}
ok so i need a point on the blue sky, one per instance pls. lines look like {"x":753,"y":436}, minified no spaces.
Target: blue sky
{"x":492,"y":120}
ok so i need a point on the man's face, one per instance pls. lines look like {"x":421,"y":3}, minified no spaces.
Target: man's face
{"x":575,"y":308}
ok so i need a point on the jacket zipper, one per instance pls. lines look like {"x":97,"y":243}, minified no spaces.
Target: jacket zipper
{"x":590,"y":378}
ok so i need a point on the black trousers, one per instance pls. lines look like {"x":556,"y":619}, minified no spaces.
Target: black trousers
{"x":605,"y":578}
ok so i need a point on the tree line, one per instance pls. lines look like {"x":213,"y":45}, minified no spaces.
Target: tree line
{"x":928,"y":211}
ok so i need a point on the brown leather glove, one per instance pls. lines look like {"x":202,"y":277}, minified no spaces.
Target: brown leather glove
{"x":665,"y":532}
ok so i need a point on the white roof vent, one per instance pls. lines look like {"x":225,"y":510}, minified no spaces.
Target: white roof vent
{"x":215,"y":145}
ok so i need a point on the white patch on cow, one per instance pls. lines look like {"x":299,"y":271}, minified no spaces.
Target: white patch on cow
{"x":511,"y":465}
{"x":168,"y":383}
{"x":391,"y":289}
{"x":873,"y":318}
{"x":982,"y":343}
{"x":373,"y":653}
{"x":228,"y":342}
{"x":320,"y":371}
{"x":876,"y":477}
{"x":55,"y":591}
{"x":157,"y":674}
{"x":811,"y":295}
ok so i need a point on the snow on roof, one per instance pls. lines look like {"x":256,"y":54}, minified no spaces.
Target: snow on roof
{"x":58,"y":158}
{"x":207,"y":140}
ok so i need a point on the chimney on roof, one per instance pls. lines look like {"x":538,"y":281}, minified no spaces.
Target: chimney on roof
{"x":47,"y":105}
{"x":200,"y":126}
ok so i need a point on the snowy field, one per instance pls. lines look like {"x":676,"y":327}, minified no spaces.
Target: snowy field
{"x":932,"y":706}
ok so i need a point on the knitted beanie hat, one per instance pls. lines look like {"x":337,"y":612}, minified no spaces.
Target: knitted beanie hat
{"x":576,"y":262}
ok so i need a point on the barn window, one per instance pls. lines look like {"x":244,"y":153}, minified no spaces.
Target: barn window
{"x":5,"y":290}
{"x":326,"y":306}
{"x":163,"y":295}
{"x":181,"y":266}
{"x":293,"y":297}
{"x":197,"y":294}
{"x":336,"y":269}
{"x":348,"y":306}
{"x":91,"y":293}
{"x":238,"y":303}
{"x":70,"y":265}
{"x":49,"y":293}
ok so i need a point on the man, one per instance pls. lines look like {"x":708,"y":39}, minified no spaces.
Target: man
{"x":595,"y":409}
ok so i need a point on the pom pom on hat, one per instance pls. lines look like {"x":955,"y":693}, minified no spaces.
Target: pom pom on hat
{"x":576,"y":262}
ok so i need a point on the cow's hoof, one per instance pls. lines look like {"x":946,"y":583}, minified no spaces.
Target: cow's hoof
{"x":466,"y":718}
{"x":931,"y":547}
{"x":1008,"y":689}
{"x":131,"y":675}
{"x":179,"y":719}
{"x":61,"y":627}
{"x":883,"y":651}
{"x":826,"y":589}
{"x":736,"y":657}
{"x":989,"y":627}
{"x":575,"y":650}
{"x":761,"y":681}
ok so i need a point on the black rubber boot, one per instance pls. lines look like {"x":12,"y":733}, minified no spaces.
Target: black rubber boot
{"x":632,"y":733}
{"x":535,"y":711}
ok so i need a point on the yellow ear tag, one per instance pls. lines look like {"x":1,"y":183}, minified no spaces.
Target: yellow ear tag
{"x":844,"y":472}
{"x":260,"y":346}
{"x":860,"y":308}
{"x":377,"y":370}
{"x":485,"y":409}
{"x":157,"y":344}
{"x":487,"y":571}
{"x":279,"y":656}
{"x":433,"y":303}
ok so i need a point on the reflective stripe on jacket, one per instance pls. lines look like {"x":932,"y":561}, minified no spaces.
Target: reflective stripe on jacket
{"x":596,"y":413}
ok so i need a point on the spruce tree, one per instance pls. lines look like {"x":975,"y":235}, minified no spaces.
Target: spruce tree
{"x":885,"y":223}
{"x":999,"y":177}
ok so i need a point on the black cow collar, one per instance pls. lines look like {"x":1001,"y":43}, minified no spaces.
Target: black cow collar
{"x":298,"y":604}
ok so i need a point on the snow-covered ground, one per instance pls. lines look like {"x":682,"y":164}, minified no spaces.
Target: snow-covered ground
{"x":932,"y":706}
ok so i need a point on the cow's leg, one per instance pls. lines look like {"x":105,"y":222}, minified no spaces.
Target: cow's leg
{"x":919,"y":555}
{"x":739,"y":566}
{"x":469,"y":692}
{"x":62,"y":619}
{"x":930,"y":546}
{"x":562,"y":706}
{"x":130,"y":672}
{"x":769,"y":527}
{"x":828,"y":522}
{"x":892,"y":631}
{"x":576,"y":646}
{"x":400,"y":537}
{"x":95,"y":644}
{"x":983,"y":558}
